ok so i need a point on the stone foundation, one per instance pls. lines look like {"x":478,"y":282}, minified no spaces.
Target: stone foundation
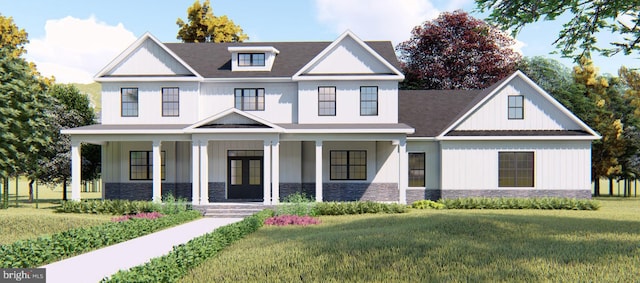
{"x":144,"y":191}
{"x":414,"y":194}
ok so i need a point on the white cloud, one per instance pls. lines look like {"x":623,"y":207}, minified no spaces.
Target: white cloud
{"x":74,"y":50}
{"x":380,"y":19}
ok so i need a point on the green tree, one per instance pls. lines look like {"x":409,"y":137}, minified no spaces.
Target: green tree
{"x":578,"y":36}
{"x":456,"y":51}
{"x":606,"y":152}
{"x":203,"y":26}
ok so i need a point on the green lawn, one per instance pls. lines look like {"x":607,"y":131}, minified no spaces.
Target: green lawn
{"x":442,"y":245}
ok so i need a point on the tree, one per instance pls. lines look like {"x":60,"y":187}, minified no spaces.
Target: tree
{"x":203,"y":26}
{"x":578,"y":36}
{"x":72,"y":109}
{"x":456,"y":51}
{"x":12,"y":37}
{"x":606,"y":152}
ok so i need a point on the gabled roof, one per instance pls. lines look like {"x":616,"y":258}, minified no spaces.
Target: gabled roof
{"x":233,"y":118}
{"x":390,"y":63}
{"x":133,"y":47}
{"x":436,"y":113}
{"x":213,"y":60}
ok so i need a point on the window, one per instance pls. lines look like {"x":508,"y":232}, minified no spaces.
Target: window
{"x":516,"y":107}
{"x":250,"y":59}
{"x":368,"y":101}
{"x":141,"y":165}
{"x":129,"y":98}
{"x":348,"y":164}
{"x":416,"y":169}
{"x":170,"y":102}
{"x":515,"y":169}
{"x":327,"y":101}
{"x":249,"y":98}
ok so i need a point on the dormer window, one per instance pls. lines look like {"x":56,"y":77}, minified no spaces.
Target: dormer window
{"x":250,"y":59}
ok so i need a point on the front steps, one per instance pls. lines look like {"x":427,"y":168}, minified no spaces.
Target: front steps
{"x":231,"y":210}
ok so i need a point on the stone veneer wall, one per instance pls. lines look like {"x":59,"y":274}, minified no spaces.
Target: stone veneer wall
{"x":344,"y":191}
{"x":144,"y":191}
{"x":286,"y":189}
{"x":218,"y":192}
{"x":516,"y":193}
{"x":415,"y":194}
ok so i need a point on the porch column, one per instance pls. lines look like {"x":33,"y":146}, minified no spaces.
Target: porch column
{"x":403,"y":170}
{"x":266,"y":184}
{"x":157,"y":171}
{"x":195,"y":172}
{"x":318,"y":171}
{"x":204,"y":172}
{"x":76,"y":169}
{"x":275,"y":172}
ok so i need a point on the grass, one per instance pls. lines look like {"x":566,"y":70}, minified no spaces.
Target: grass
{"x":441,"y":245}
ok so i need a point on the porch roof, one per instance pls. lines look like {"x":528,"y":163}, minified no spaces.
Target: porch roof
{"x":347,"y":128}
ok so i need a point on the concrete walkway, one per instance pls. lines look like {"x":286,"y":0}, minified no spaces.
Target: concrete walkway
{"x":95,"y":265}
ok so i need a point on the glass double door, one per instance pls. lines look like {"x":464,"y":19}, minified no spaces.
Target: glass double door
{"x":245,"y":175}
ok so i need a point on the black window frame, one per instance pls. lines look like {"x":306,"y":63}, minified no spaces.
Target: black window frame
{"x":125,"y":104}
{"x":519,"y":109}
{"x":516,"y":169}
{"x":415,"y":167}
{"x":172,"y":107}
{"x":147,"y":166}
{"x":328,"y":102}
{"x":348,"y":167}
{"x":259,"y":96}
{"x":363,"y":102}
{"x":253,"y":60}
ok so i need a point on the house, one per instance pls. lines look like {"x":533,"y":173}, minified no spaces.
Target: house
{"x":235,"y":122}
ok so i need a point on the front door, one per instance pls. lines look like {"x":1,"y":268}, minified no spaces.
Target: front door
{"x":245,"y":176}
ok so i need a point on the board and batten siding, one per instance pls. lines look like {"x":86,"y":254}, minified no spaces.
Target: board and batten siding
{"x":177,"y":165}
{"x":539,"y":113}
{"x":149,"y":59}
{"x":149,"y":103}
{"x":558,"y":165}
{"x":431,"y":152}
{"x":280,"y":100}
{"x":348,"y":57}
{"x":347,"y":102}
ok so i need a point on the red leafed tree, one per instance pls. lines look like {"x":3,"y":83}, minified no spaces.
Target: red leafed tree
{"x":456,"y":51}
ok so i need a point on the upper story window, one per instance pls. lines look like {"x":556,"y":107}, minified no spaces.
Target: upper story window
{"x":170,"y":102}
{"x":516,"y":107}
{"x":129,"y":99}
{"x":368,"y":101}
{"x":250,"y":59}
{"x":327,"y":101}
{"x":251,"y":99}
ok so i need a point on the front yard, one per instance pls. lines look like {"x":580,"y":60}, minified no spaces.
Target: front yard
{"x":441,"y":245}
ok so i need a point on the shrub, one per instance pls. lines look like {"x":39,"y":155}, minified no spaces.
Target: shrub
{"x":173,"y":266}
{"x":427,"y":204}
{"x":173,"y":205}
{"x":43,"y":250}
{"x":140,"y":215}
{"x":296,"y":204}
{"x":358,"y":207}
{"x":114,"y":207}
{"x":284,"y":220}
{"x":521,"y":203}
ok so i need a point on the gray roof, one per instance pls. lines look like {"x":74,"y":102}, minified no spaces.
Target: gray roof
{"x":503,"y":133}
{"x":431,"y":111}
{"x":213,"y":60}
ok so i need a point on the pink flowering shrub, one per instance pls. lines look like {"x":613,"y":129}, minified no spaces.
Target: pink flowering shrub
{"x":284,"y":220}
{"x":139,"y":215}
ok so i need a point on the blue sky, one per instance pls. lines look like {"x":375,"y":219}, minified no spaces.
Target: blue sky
{"x":74,"y":39}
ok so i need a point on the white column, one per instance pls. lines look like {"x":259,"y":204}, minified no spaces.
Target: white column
{"x":76,"y":170}
{"x":319,"y":171}
{"x":157,"y":171}
{"x":204,"y":172}
{"x":403,"y":166}
{"x":275,"y":172}
{"x":266,"y":184}
{"x":195,"y":172}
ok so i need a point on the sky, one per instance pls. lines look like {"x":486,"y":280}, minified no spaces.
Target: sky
{"x":74,"y":39}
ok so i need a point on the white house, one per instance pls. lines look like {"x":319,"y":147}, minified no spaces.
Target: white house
{"x":235,"y":122}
